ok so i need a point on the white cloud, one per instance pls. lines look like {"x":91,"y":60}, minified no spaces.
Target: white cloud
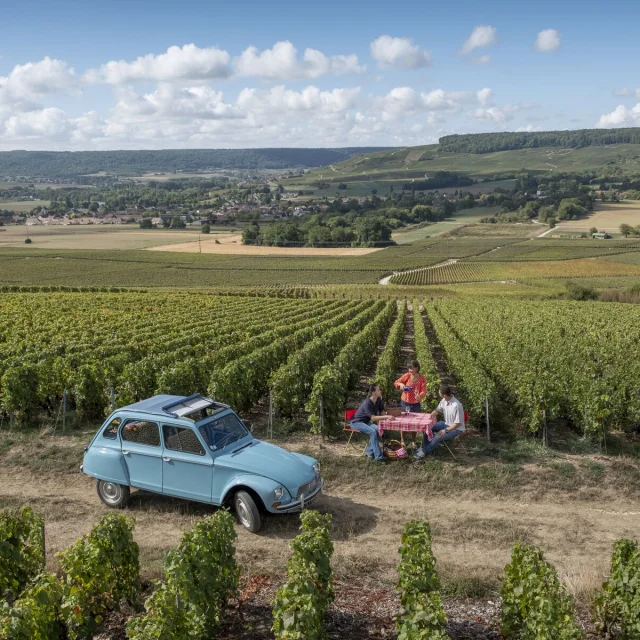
{"x":620,"y":116}
{"x":279,"y":99}
{"x":547,"y":41}
{"x":43,"y":123}
{"x":626,"y":93}
{"x":528,"y":128}
{"x":281,"y":62}
{"x":401,"y":102}
{"x":485,"y":96}
{"x":400,"y":53}
{"x":482,"y":36}
{"x":480,"y":60}
{"x":36,"y":79}
{"x":189,"y":62}
{"x":168,"y":101}
{"x":491,"y":114}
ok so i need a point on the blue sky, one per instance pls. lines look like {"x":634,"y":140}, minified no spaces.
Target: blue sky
{"x":156,"y":74}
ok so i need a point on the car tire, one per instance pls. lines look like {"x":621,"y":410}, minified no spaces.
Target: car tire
{"x":247,"y":511}
{"x":112,"y":494}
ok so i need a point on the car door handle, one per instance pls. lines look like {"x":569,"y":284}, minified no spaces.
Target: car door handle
{"x":166,"y":459}
{"x":125,"y":453}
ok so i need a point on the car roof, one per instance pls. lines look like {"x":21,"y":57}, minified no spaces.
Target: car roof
{"x":173,"y":406}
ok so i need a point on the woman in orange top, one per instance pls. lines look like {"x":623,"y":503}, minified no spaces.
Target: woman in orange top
{"x":413,"y":387}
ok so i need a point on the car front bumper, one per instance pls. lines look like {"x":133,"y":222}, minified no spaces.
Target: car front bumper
{"x":303,"y":502}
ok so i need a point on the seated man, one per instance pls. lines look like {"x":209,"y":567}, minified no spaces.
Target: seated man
{"x":365,"y":419}
{"x":452,"y":426}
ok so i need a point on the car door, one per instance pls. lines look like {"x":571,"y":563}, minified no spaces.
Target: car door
{"x":142,"y":452}
{"x":187,"y":469}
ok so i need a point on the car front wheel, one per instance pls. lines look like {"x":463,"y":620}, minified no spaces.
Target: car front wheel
{"x":113,"y":495}
{"x":247,"y":511}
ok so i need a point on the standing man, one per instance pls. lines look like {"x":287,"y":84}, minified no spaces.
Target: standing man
{"x":447,"y":429}
{"x":365,"y":419}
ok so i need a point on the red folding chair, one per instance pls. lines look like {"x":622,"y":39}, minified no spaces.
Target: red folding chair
{"x":348,"y":416}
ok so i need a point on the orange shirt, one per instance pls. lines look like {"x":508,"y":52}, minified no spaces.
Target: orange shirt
{"x":419,"y":388}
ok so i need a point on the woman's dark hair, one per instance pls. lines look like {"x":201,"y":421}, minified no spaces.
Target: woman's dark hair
{"x":445,"y":390}
{"x":372,"y":388}
{"x":414,"y":364}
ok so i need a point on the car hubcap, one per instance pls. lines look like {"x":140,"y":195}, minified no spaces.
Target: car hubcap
{"x":110,"y":491}
{"x":243,"y":514}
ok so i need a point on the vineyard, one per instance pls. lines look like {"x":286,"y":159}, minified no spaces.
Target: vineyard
{"x":100,"y":574}
{"x":533,"y":361}
{"x":511,"y":271}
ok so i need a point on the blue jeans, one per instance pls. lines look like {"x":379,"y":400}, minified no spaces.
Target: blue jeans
{"x":429,"y":445}
{"x":373,"y":448}
{"x":414,"y":408}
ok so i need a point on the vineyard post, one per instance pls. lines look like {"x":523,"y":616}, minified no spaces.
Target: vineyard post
{"x":486,"y":413}
{"x":322,"y":417}
{"x":11,"y":419}
{"x":64,"y":410}
{"x":112,"y":397}
{"x":270,"y":426}
{"x":44,"y":549}
{"x":544,"y":428}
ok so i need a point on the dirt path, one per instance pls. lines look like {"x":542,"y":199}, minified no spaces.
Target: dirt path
{"x":473,"y":531}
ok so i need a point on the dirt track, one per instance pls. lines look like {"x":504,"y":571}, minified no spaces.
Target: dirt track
{"x":473,"y":532}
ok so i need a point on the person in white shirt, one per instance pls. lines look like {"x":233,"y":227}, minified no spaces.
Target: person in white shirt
{"x":447,"y":429}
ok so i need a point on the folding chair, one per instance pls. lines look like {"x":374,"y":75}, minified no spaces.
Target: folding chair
{"x":348,"y":416}
{"x":459,"y":440}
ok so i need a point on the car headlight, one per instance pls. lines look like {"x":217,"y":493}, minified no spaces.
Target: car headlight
{"x":316,"y":468}
{"x":278,"y":493}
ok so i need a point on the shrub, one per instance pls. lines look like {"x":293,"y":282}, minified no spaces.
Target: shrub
{"x":301,"y":603}
{"x":201,"y":576}
{"x":100,"y":569}
{"x":21,"y":549}
{"x":19,"y":386}
{"x":35,"y":615}
{"x":618,"y":604}
{"x":535,"y":605}
{"x":423,"y":616}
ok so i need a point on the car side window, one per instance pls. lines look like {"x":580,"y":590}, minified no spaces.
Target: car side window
{"x":181,"y":439}
{"x":111,"y":430}
{"x":141,"y":432}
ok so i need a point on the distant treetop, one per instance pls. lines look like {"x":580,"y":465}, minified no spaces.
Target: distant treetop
{"x":490,"y":142}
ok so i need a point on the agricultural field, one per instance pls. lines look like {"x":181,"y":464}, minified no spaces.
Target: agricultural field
{"x":409,"y":163}
{"x":607,"y":216}
{"x":23,"y":206}
{"x":99,"y":237}
{"x":106,"y":348}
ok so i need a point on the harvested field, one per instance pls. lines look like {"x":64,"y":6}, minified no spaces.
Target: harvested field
{"x":231,"y":245}
{"x":607,"y":216}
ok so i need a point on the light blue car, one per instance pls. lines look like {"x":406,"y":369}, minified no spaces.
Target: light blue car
{"x":197,"y":449}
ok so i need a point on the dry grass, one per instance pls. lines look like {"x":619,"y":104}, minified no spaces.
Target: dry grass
{"x":232,"y":245}
{"x":23,"y":206}
{"x":607,"y":216}
{"x":574,"y":507}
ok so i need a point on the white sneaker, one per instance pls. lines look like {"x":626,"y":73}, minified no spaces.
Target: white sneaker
{"x":419,"y":454}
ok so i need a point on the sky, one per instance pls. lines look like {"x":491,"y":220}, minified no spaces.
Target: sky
{"x":154,"y":74}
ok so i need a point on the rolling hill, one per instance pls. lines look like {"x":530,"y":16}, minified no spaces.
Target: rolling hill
{"x":62,"y":164}
{"x":414,"y":162}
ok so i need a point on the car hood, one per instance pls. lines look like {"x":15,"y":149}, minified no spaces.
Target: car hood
{"x":264,"y":459}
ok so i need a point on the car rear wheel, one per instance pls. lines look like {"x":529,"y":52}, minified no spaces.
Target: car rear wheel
{"x":247,"y":511}
{"x":112,"y":494}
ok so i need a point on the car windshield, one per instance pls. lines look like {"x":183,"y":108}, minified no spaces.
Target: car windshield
{"x":223,"y":431}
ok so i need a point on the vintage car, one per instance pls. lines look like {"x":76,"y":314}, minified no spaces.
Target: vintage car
{"x":198,"y":449}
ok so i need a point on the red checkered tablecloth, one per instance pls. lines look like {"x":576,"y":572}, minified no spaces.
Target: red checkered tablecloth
{"x":412,"y":422}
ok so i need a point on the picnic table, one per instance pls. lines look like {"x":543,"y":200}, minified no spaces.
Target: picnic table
{"x":409,"y":422}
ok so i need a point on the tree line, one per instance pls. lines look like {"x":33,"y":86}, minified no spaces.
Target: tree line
{"x":507,"y":141}
{"x":56,"y":164}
